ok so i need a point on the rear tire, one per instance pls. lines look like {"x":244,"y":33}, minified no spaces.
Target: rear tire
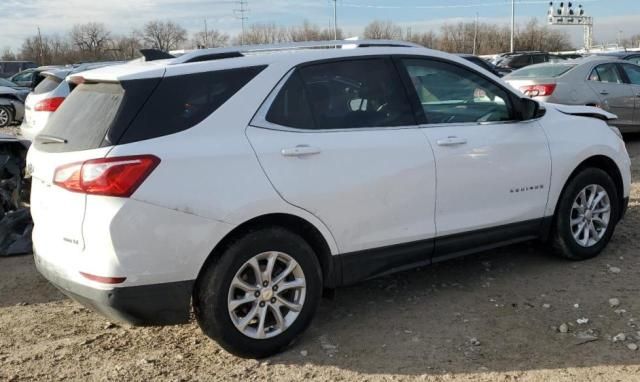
{"x":6,"y":116}
{"x":281,"y":299}
{"x":586,"y":216}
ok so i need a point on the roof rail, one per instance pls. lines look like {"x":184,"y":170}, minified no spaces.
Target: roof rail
{"x":237,"y":51}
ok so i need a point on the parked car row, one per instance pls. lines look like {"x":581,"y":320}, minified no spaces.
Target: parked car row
{"x":603,"y":81}
{"x":30,"y":96}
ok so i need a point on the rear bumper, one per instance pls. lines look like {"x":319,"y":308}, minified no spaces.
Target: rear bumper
{"x":156,"y":304}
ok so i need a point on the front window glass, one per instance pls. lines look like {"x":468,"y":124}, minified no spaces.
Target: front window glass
{"x":451,"y":94}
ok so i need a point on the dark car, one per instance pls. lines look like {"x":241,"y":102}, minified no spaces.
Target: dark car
{"x":507,"y":62}
{"x":633,"y":57}
{"x":12,"y":99}
{"x":30,"y":78}
{"x":482,"y":63}
{"x":9,"y":68}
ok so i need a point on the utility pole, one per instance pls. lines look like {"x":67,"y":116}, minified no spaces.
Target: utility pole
{"x":513,"y":24}
{"x":40,"y":53}
{"x":335,"y":20}
{"x":475,"y":35}
{"x":241,"y":13}
{"x":206,"y":35}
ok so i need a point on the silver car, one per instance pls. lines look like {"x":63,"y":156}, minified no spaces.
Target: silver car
{"x":609,"y":83}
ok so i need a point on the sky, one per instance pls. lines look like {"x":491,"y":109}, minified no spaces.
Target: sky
{"x":21,"y":18}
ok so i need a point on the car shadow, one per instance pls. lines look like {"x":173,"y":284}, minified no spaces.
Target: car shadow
{"x":21,"y":284}
{"x":496,"y":311}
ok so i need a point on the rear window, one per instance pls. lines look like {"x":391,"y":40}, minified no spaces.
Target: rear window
{"x":48,"y":84}
{"x":547,"y":71}
{"x":103,"y":114}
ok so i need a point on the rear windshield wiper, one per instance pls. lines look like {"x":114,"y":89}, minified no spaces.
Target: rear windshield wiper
{"x":46,"y":139}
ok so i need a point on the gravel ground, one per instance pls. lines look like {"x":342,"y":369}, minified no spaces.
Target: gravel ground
{"x":497,"y":316}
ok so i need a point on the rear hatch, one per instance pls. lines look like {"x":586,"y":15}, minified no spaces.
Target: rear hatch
{"x":77,"y":132}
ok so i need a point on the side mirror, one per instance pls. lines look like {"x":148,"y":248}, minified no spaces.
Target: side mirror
{"x":528,"y":109}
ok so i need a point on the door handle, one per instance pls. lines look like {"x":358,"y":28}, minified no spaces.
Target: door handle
{"x":604,"y":92}
{"x":451,"y":141}
{"x":300,"y":150}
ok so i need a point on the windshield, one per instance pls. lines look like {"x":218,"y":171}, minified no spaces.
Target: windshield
{"x":7,"y":83}
{"x":542,"y":71}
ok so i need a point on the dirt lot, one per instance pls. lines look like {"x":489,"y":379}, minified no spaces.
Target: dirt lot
{"x":492,"y":317}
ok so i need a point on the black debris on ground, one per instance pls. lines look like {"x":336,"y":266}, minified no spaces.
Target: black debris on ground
{"x":15,"y":222}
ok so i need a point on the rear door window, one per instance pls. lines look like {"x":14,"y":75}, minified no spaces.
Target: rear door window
{"x":606,"y":73}
{"x":48,"y":84}
{"x":291,"y":106}
{"x":356,"y":94}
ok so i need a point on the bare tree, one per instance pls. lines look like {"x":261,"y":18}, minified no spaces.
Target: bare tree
{"x":427,"y":39}
{"x":311,"y":32}
{"x":125,"y":47}
{"x":264,"y":34}
{"x":8,"y":55}
{"x":383,"y":30}
{"x":90,"y":38}
{"x":210,"y":39}
{"x":163,"y":35}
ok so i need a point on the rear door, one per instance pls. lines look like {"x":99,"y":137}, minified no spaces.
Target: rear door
{"x":615,"y":95}
{"x":632,"y":73}
{"x":339,"y":139}
{"x":493,"y":171}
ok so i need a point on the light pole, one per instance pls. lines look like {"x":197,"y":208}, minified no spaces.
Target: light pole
{"x":335,"y":20}
{"x":513,"y":24}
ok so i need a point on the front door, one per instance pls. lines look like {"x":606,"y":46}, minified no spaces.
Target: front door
{"x":493,"y":171}
{"x":340,"y":140}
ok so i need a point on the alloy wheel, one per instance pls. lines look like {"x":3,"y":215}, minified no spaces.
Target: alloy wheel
{"x":4,"y":117}
{"x":590,"y":215}
{"x":266,"y":295}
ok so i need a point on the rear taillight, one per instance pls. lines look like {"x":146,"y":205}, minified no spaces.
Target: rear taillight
{"x":119,"y":176}
{"x":538,"y":90}
{"x":49,"y":104}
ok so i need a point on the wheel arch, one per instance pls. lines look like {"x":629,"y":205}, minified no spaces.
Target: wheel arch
{"x":297,"y":225}
{"x":602,"y":162}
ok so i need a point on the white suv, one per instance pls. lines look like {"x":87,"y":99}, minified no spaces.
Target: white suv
{"x":243,"y":182}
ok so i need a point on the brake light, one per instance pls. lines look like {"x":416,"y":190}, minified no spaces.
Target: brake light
{"x":538,"y":90}
{"x":119,"y":176}
{"x":49,"y":104}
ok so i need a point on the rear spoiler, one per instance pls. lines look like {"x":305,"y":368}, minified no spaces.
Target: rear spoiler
{"x":585,"y":111}
{"x":155,"y":54}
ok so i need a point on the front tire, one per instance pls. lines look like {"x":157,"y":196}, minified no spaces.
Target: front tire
{"x":6,"y":116}
{"x":260,"y":294}
{"x":586,"y":216}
